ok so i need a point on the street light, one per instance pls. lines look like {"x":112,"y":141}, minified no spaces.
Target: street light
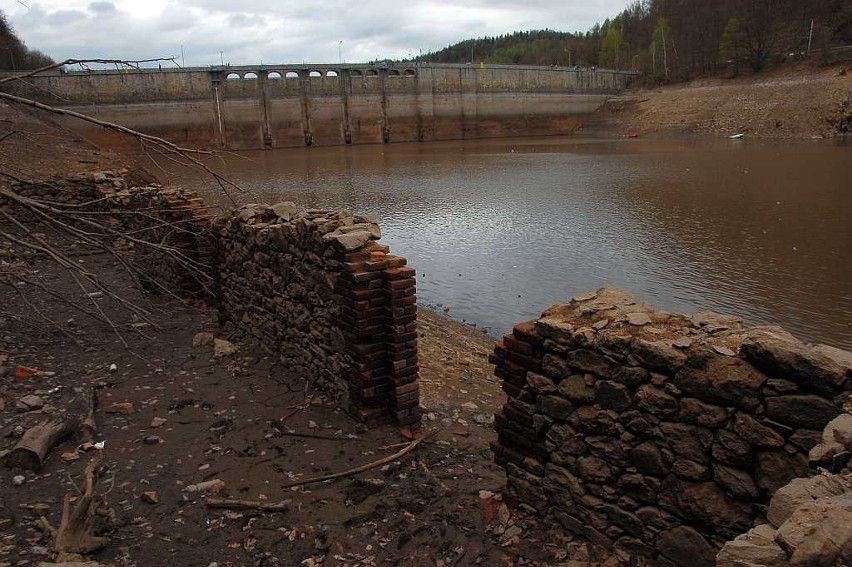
{"x":340,"y":51}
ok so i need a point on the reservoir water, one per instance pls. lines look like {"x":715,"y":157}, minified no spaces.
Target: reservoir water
{"x":501,"y":229}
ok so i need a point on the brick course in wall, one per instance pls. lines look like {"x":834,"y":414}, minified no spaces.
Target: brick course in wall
{"x":658,"y":436}
{"x":317,"y":287}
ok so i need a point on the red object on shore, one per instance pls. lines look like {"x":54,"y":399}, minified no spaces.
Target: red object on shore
{"x":26,"y":372}
{"x":632,"y":134}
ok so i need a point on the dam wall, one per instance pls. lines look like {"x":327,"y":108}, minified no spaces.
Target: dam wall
{"x":291,"y":106}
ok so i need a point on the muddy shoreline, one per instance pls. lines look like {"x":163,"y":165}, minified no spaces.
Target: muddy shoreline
{"x":799,"y":101}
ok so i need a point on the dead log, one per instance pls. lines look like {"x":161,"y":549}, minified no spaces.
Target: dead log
{"x":76,"y":530}
{"x":79,"y":420}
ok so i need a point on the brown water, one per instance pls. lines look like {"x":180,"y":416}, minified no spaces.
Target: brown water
{"x":501,"y":229}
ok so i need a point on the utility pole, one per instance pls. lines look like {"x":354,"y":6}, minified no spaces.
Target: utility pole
{"x":222,"y":57}
{"x":182,"y":62}
{"x":340,"y":51}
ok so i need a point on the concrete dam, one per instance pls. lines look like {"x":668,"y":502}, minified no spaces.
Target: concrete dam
{"x":272,"y":106}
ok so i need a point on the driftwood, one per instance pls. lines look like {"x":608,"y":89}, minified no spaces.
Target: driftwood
{"x":33,"y":448}
{"x":230,"y":504}
{"x":75,"y":533}
{"x":383,"y":461}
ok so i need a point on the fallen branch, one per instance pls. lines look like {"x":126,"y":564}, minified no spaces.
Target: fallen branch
{"x":155,"y":141}
{"x":313,"y":436}
{"x":383,"y":461}
{"x":230,"y":504}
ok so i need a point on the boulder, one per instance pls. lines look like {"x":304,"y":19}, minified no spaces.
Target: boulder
{"x":655,"y":401}
{"x":689,"y":441}
{"x":612,"y":395}
{"x":699,"y":413}
{"x":801,"y":491}
{"x":724,"y":381}
{"x":686,"y":547}
{"x":735,"y":481}
{"x":810,"y":412}
{"x":776,"y":467}
{"x":808,"y":536}
{"x":574,"y":388}
{"x":823,"y":370}
{"x":222,"y":348}
{"x":658,"y":356}
{"x":827,"y":542}
{"x":755,"y":432}
{"x":351,"y":240}
{"x":836,"y":440}
{"x":648,"y":459}
{"x":202,"y":339}
{"x":755,"y":548}
{"x":284,"y":210}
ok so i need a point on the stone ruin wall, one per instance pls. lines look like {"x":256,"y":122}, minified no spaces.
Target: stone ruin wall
{"x":171,"y":217}
{"x":317,"y":288}
{"x":657,"y":436}
{"x":809,"y":521}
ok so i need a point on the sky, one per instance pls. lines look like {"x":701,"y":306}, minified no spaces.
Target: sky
{"x":209,"y":32}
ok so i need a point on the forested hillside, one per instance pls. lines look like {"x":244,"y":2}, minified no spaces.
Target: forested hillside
{"x":14,"y":53}
{"x":676,"y":39}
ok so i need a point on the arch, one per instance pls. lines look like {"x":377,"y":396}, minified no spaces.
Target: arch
{"x":393,"y":72}
{"x":314,"y":74}
{"x":291,"y":75}
{"x":355,"y":72}
{"x":273,"y":75}
{"x":409,"y":73}
{"x":233,"y":77}
{"x":331,"y":73}
{"x":372,"y":73}
{"x":250,"y":75}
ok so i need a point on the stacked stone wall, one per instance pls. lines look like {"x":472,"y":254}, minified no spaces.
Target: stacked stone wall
{"x":317,"y":288}
{"x":809,"y":521}
{"x":313,"y":286}
{"x":658,"y":436}
{"x":141,"y":223}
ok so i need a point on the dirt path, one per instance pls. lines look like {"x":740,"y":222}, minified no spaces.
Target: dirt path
{"x":801,"y":101}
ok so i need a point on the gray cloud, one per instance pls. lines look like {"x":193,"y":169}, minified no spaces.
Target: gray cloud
{"x":103,"y":8}
{"x":252,"y":31}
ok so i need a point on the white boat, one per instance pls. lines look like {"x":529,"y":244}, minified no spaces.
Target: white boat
{"x":736,"y":137}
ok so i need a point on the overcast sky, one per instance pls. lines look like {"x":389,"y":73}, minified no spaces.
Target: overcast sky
{"x":282,"y":31}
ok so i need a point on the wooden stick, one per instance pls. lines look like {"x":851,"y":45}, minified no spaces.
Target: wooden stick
{"x":228,"y":503}
{"x":383,"y":461}
{"x":314,"y":436}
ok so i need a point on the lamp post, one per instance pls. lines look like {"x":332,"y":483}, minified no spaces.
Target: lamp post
{"x":340,"y":51}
